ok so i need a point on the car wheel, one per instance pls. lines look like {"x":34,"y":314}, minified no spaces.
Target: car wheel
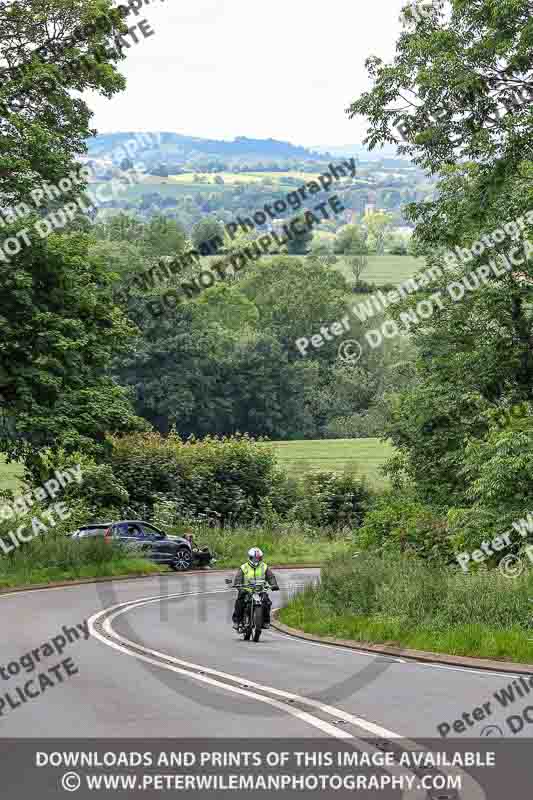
{"x":183,"y":560}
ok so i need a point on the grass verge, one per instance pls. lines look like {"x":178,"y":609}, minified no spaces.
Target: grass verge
{"x":405,"y":603}
{"x":283,"y":548}
{"x":53,"y":558}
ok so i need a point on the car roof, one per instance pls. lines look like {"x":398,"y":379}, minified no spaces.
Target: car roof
{"x":117,"y":522}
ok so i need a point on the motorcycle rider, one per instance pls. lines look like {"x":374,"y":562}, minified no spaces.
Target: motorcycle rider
{"x":254,"y":569}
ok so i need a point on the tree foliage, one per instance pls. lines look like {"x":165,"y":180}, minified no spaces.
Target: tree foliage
{"x":447,"y":100}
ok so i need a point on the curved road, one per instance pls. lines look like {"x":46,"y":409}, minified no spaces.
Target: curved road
{"x":164,"y":661}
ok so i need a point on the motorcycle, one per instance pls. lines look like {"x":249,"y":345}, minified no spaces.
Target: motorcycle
{"x":253,"y":614}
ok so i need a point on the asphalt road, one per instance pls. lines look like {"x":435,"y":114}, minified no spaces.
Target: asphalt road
{"x":174,"y":667}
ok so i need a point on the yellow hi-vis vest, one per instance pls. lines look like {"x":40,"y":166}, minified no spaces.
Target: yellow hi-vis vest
{"x":251,"y":574}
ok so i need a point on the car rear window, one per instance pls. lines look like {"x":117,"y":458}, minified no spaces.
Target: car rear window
{"x":96,"y":530}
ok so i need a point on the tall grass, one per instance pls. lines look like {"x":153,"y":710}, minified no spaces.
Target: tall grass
{"x":54,"y":557}
{"x":280,"y":546}
{"x":404,"y":602}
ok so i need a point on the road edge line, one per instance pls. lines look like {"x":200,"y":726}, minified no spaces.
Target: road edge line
{"x":420,"y":656}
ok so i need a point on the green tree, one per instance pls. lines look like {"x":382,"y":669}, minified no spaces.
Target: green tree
{"x":295,"y":297}
{"x":59,"y":333}
{"x":59,"y":326}
{"x":206,"y":234}
{"x":120,"y":228}
{"x":452,"y":95}
{"x":50,"y":53}
{"x":351,"y":242}
{"x":163,"y":236}
{"x":457,"y":71}
{"x":300,"y":243}
{"x":378,"y":225}
{"x":350,"y":239}
{"x":229,"y":307}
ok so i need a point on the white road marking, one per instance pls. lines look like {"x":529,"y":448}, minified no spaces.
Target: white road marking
{"x":396,"y":659}
{"x":411,"y":662}
{"x":476,"y":792}
{"x":367,"y":653}
{"x":122,"y":644}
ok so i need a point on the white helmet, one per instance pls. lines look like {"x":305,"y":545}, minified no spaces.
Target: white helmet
{"x":255,"y":556}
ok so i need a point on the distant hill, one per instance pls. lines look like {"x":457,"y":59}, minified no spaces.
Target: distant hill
{"x":175,"y":148}
{"x":359,"y":151}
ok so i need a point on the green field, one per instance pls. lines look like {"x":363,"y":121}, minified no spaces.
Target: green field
{"x":241,"y":177}
{"x":10,"y":474}
{"x":365,"y":456}
{"x":182,"y":185}
{"x":386,"y":268}
{"x":162,"y":186}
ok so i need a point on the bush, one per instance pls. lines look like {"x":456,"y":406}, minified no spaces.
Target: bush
{"x":226,"y":478}
{"x":355,"y":426}
{"x":399,"y":523}
{"x":365,"y":287}
{"x":332,"y":500}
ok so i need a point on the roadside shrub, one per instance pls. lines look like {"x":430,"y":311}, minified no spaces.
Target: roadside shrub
{"x":147,"y":466}
{"x":468,"y":527}
{"x":399,"y":523}
{"x":332,"y":499}
{"x":499,"y":470}
{"x":99,"y":489}
{"x":226,"y":478}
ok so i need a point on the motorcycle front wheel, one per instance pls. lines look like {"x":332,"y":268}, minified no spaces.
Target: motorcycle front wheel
{"x":258,"y":622}
{"x":247,"y":625}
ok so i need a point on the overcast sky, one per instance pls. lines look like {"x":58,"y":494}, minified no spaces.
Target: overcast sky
{"x":285,"y":69}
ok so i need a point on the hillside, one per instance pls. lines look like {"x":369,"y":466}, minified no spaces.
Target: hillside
{"x":176,"y":148}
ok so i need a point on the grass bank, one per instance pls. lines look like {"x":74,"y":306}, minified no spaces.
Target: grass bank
{"x":279,"y":547}
{"x":56,"y":558}
{"x":51,"y":559}
{"x":404,"y":603}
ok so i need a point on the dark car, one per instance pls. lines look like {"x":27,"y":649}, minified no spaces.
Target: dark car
{"x":138,"y":535}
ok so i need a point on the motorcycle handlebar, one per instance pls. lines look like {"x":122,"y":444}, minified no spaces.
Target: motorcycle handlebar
{"x":260,"y":584}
